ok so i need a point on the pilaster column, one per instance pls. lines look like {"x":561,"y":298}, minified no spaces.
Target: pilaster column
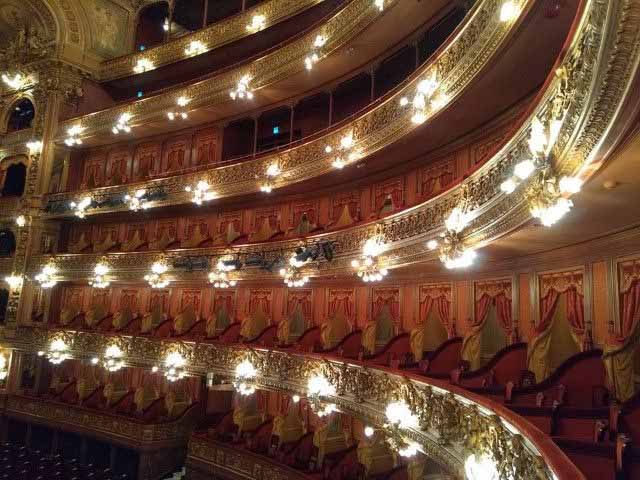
{"x":515,"y":307}
{"x":587,"y":343}
{"x":292,"y":106}
{"x":613,"y":298}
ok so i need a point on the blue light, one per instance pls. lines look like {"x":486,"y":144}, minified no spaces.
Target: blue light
{"x":276,"y":130}
{"x":140,"y":94}
{"x":142,"y":47}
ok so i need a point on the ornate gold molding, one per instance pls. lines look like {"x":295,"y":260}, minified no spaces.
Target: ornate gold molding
{"x":452,"y":422}
{"x":214,"y":36}
{"x":455,"y":67}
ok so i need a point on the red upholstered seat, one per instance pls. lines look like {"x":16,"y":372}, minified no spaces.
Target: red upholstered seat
{"x":343,"y":465}
{"x":260,"y":439}
{"x":266,"y":338}
{"x":196,"y":331}
{"x":298,"y":455}
{"x":396,"y":353}
{"x":349,"y":346}
{"x":231,"y":334}
{"x":164,"y":329}
{"x":309,"y":341}
{"x":443,"y":360}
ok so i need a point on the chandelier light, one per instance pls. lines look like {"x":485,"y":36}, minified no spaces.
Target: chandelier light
{"x":379,"y":4}
{"x":220,"y":277}
{"x":14,"y":281}
{"x":100,"y":272}
{"x":509,"y":11}
{"x":175,"y":365}
{"x":165,"y":25}
{"x":570,"y":185}
{"x":157,"y":278}
{"x":547,"y":200}
{"x":144,"y":64}
{"x":245,"y":375}
{"x":480,"y":467}
{"x":73,"y":136}
{"x":57,"y":352}
{"x":314,"y":56}
{"x":399,"y":413}
{"x":293,"y":278}
{"x":3,"y":367}
{"x":195,"y":47}
{"x":21,"y":220}
{"x":369,"y":431}
{"x":34,"y":147}
{"x":113,"y":359}
{"x":369,"y":267}
{"x":181,"y":112}
{"x":258,"y":22}
{"x":318,"y":387}
{"x":345,"y":152}
{"x":242,"y":89}
{"x":17,"y":82}
{"x":122,"y":125}
{"x":201,"y":193}
{"x":137,"y":201}
{"x":423,"y":100}
{"x":81,"y":206}
{"x":432,"y":244}
{"x":453,"y":253}
{"x":45,"y":277}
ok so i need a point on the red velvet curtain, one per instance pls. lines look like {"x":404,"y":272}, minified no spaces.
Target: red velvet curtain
{"x":304,"y":302}
{"x":482,"y":309}
{"x":425,"y":309}
{"x":630,"y":307}
{"x":340,"y":304}
{"x":379,"y":304}
{"x":444,"y":310}
{"x":547,"y":308}
{"x":503,"y":307}
{"x":575,"y":310}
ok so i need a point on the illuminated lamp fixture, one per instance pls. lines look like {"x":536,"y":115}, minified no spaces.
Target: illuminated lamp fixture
{"x":547,"y":202}
{"x":424,"y":92}
{"x":137,"y":201}
{"x":113,"y":359}
{"x":266,"y":188}
{"x":570,"y":185}
{"x":34,"y":147}
{"x":368,"y":267}
{"x":245,"y":375}
{"x":399,"y":414}
{"x":122,"y":125}
{"x":100,"y":272}
{"x":3,"y":367}
{"x":165,"y":25}
{"x":453,"y":253}
{"x":458,"y":219}
{"x":17,"y":82}
{"x":273,"y":170}
{"x":195,"y":47}
{"x":181,"y":113}
{"x":509,"y":11}
{"x":175,"y":365}
{"x":314,"y":56}
{"x":258,"y":22}
{"x":45,"y":277}
{"x":242,"y":89}
{"x":481,"y":467}
{"x":73,"y":136}
{"x":293,"y":277}
{"x":432,"y":244}
{"x":201,"y":192}
{"x":14,"y":281}
{"x":369,"y":431}
{"x":143,"y":65}
{"x":220,"y":277}
{"x":81,"y":206}
{"x":57,"y":352}
{"x":21,"y":220}
{"x":318,"y":387}
{"x":400,"y":417}
{"x":379,"y":4}
{"x":346,"y":150}
{"x":157,"y":278}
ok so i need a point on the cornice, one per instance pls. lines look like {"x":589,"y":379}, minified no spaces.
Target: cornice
{"x":452,"y":421}
{"x":456,"y":66}
{"x":214,"y":36}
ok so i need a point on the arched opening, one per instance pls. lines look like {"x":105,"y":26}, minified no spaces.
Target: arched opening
{"x":14,"y":180}
{"x":21,"y":116}
{"x":150,"y":30}
{"x":7,"y":243}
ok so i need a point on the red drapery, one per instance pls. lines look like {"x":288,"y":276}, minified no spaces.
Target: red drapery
{"x":482,"y":309}
{"x":425,"y":309}
{"x":503,"y":307}
{"x":260,"y":302}
{"x":303,"y":302}
{"x":394,"y":307}
{"x":444,"y":309}
{"x":547,"y":308}
{"x":225,"y":304}
{"x":630,"y":308}
{"x":575,"y":310}
{"x":341,"y":303}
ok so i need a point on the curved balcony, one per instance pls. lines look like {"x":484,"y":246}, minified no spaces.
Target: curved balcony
{"x":458,"y":64}
{"x":443,"y":412}
{"x":214,"y":36}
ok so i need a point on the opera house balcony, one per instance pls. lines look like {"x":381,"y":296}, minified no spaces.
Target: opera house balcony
{"x":320,"y":239}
